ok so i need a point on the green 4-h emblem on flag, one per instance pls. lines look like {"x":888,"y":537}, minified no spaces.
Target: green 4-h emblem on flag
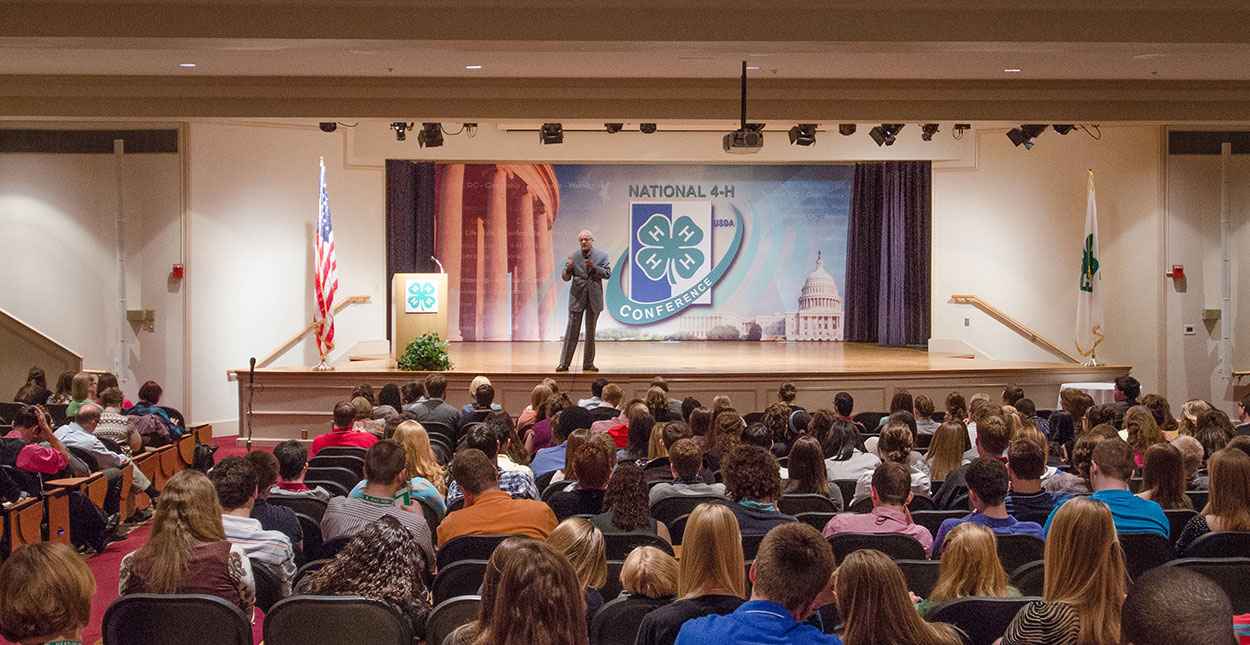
{"x":670,"y":250}
{"x":420,"y":297}
{"x":1089,"y":265}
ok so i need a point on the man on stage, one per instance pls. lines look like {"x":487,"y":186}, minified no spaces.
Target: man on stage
{"x":587,"y":268}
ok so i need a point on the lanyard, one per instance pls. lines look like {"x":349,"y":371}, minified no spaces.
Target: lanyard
{"x":377,"y":500}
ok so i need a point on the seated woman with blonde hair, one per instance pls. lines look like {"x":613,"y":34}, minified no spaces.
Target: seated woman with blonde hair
{"x":970,"y":567}
{"x":47,"y":595}
{"x":584,"y":547}
{"x":650,"y":573}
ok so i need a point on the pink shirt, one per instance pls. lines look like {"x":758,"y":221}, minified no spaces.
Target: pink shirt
{"x":882,"y":519}
{"x":37,"y":458}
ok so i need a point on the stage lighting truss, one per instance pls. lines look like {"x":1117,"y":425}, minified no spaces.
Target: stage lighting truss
{"x":803,"y":134}
{"x":401,"y":130}
{"x":928,"y":130}
{"x":1025,"y":135}
{"x":431,"y":135}
{"x":886,"y":133}
{"x":551,"y":133}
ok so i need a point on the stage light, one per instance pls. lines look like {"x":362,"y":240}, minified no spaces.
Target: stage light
{"x":1063,"y":128}
{"x":646,"y":128}
{"x":328,"y":126}
{"x":803,"y":134}
{"x":885,"y":133}
{"x":960,"y":129}
{"x":551,"y":133}
{"x":928,"y":130}
{"x":1025,"y":134}
{"x":846,"y":129}
{"x":401,"y":130}
{"x":613,"y":128}
{"x":430,"y":136}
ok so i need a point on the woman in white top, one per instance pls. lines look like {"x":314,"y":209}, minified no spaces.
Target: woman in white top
{"x":895,"y":444}
{"x":842,"y":443}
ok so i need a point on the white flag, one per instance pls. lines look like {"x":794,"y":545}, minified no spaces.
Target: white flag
{"x":1089,"y":298}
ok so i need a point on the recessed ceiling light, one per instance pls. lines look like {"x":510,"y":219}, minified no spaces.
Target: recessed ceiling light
{"x":1012,"y":70}
{"x":186,"y":64}
{"x":473,"y":67}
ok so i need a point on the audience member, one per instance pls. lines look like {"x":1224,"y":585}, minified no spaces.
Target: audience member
{"x":946,"y":449}
{"x":596,"y":394}
{"x":23,"y":446}
{"x":673,"y":404}
{"x":554,"y":611}
{"x":896,"y":444}
{"x":1085,"y":581}
{"x":1127,"y":389}
{"x":188,"y":551}
{"x":544,"y":434}
{"x":1191,"y":461}
{"x":271,"y":517}
{"x":80,"y":434}
{"x":625,"y":505}
{"x":1228,"y":505}
{"x":890,"y":492}
{"x":292,"y":466}
{"x":660,"y":407}
{"x":901,"y":402}
{"x":487,"y":509}
{"x":365,"y":391}
{"x":426,"y":477}
{"x":639,"y":438}
{"x":1026,"y":463}
{"x":790,"y":579}
{"x":594,"y":463}
{"x":988,"y":484}
{"x":115,"y":426}
{"x":992,"y":437}
{"x":956,"y":408}
{"x":47,"y":595}
{"x":529,"y":415}
{"x":610,"y":406}
{"x":725,"y":436}
{"x":502,"y":558}
{"x":659,"y":469}
{"x":411,"y":393}
{"x":567,"y":420}
{"x":64,"y":384}
{"x":149,"y":398}
{"x":1141,"y":431}
{"x":970,"y":567}
{"x":686,"y":462}
{"x":1102,"y":414}
{"x":1163,"y":477}
{"x":1077,"y":482}
{"x":1214,"y":430}
{"x":343,"y":433}
{"x":484,"y":398}
{"x":1062,"y":435}
{"x":1110,"y":469}
{"x":390,"y":403}
{"x":701,"y":425}
{"x":846,"y":457}
{"x":365,"y":421}
{"x":1175,"y":606}
{"x":650,"y":573}
{"x":1012,"y":394}
{"x":583,"y":546}
{"x":1243,"y":416}
{"x":807,"y":472}
{"x":382,"y":562}
{"x":876,"y":608}
{"x":576,"y":440}
{"x":1162,"y":412}
{"x":477,"y":382}
{"x":385,"y":474}
{"x":780,"y":429}
{"x":753,"y":482}
{"x":433,"y":409}
{"x":923,"y":411}
{"x":82,"y":390}
{"x":235,"y":481}
{"x":35,"y":391}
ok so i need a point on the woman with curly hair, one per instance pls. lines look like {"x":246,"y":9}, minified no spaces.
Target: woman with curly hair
{"x":382,"y":562}
{"x":657,"y":405}
{"x":626,"y":507}
{"x":725,"y":435}
{"x":753,"y":482}
{"x":64,"y":385}
{"x":777,"y":419}
{"x":1162,"y":411}
{"x":1190,"y":412}
{"x":1142,"y":431}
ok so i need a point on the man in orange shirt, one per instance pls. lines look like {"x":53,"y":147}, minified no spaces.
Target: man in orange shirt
{"x":488,"y":510}
{"x":342,"y":434}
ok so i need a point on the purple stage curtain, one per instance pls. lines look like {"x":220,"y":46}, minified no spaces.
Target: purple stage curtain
{"x":409,"y":221}
{"x":888,"y":254}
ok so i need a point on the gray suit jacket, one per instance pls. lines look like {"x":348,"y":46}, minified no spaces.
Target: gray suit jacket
{"x":586,"y":292}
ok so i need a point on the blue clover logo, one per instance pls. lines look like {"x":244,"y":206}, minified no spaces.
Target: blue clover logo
{"x":421,"y":295}
{"x":669,"y":249}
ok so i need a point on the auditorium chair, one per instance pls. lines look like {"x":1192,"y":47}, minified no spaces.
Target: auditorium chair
{"x":22,"y":525}
{"x":618,"y":545}
{"x":1037,"y":518}
{"x":932,"y":520}
{"x":313,"y":507}
{"x":982,"y":620}
{"x":1230,"y":574}
{"x":333,"y":620}
{"x":814,"y":520}
{"x":923,"y":441}
{"x":795,"y":503}
{"x":450,"y":614}
{"x":612,"y":587}
{"x":917,"y":503}
{"x":670,"y":508}
{"x":337,"y":480}
{"x":921,"y":575}
{"x":460,"y":578}
{"x":870,"y":420}
{"x":335,"y":451}
{"x":442,"y":429}
{"x":469,"y":547}
{"x":1029,"y":578}
{"x":59,"y":413}
{"x":751,"y":545}
{"x":268,"y":588}
{"x":895,"y":545}
{"x":432,"y":517}
{"x":1017,"y":550}
{"x":308,"y":569}
{"x":1144,"y":551}
{"x":1198,"y":497}
{"x":1177,"y":519}
{"x":175,"y":619}
{"x":441,"y":448}
{"x":1220,"y":544}
{"x":354,"y":463}
{"x":330,"y":548}
{"x":455,"y":506}
{"x":677,"y":528}
{"x":8,"y":410}
{"x":617,"y":623}
{"x":847,"y":488}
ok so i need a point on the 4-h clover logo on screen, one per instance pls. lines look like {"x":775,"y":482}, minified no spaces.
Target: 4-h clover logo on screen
{"x":670,"y":250}
{"x":420,"y":297}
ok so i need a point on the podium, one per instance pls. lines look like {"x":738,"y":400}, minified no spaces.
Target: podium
{"x":418,"y":305}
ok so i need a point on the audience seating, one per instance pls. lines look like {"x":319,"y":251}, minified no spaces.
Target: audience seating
{"x":432,"y":517}
{"x":815,"y":520}
{"x":793,"y":504}
{"x":847,"y":488}
{"x":677,"y":528}
{"x":612,"y":587}
{"x":923,"y":441}
{"x":670,"y":508}
{"x":830,"y":621}
{"x":203,"y":433}
{"x":620,"y":544}
{"x":85,"y":457}
{"x":982,"y":620}
{"x":450,"y":614}
{"x":541,"y":482}
{"x":168,"y":464}
{"x":1029,"y":578}
{"x":1220,"y":544}
{"x":555,"y":487}
{"x":312,"y":535}
{"x":1230,"y":574}
{"x":460,"y":578}
{"x":921,"y":575}
{"x":895,"y":545}
{"x":617,"y":623}
{"x":268,"y":589}
{"x":22,"y":525}
{"x":443,"y":430}
{"x":309,"y":569}
{"x":336,"y":451}
{"x":1038,"y":518}
{"x":314,"y":508}
{"x":186,"y":448}
{"x":56,"y":515}
{"x":870,"y":420}
{"x":332,"y":620}
{"x":354,"y":463}
{"x":95,"y":486}
{"x":917,"y":503}
{"x":751,"y":545}
{"x":455,"y":506}
{"x":1144,"y":551}
{"x":175,"y":619}
{"x":1177,"y":519}
{"x":442,"y":448}
{"x":1017,"y":550}
{"x":330,"y":548}
{"x":933,"y":519}
{"x":59,"y":413}
{"x":469,"y":547}
{"x":1199,"y":498}
{"x":336,"y":479}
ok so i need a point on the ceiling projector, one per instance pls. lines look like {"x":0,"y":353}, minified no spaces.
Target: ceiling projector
{"x":744,"y":141}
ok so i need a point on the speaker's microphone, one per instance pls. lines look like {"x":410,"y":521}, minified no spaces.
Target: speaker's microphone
{"x":585,"y":255}
{"x":251,"y":370}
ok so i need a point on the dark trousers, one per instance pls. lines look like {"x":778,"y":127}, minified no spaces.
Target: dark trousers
{"x":571,"y":336}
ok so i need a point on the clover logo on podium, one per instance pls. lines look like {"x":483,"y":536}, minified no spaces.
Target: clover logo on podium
{"x":420,"y":296}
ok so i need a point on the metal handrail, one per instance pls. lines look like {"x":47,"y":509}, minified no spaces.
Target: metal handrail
{"x":1013,"y":324}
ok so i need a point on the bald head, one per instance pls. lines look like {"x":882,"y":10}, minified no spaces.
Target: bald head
{"x":586,"y":240}
{"x":88,"y":413}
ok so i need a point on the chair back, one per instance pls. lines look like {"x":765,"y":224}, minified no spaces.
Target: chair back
{"x":331,"y":548}
{"x":432,"y":517}
{"x":932,"y":520}
{"x":921,"y":503}
{"x":921,"y":575}
{"x":793,"y":504}
{"x":336,"y":479}
{"x":175,"y":619}
{"x":354,"y":463}
{"x":1144,"y":551}
{"x":1220,"y":544}
{"x":1177,"y":519}
{"x":355,"y":451}
{"x":1015,"y":551}
{"x":555,"y":487}
{"x":1029,"y":578}
{"x":469,"y":547}
{"x":85,"y":457}
{"x":617,"y":623}
{"x":312,"y":535}
{"x":751,"y":546}
{"x":460,"y":578}
{"x":923,"y":441}
{"x":620,"y":544}
{"x":847,"y":488}
{"x":613,"y":587}
{"x":815,"y":520}
{"x":670,"y":508}
{"x":331,"y":620}
{"x":268,"y":587}
{"x":450,"y":614}
{"x":313,"y":507}
{"x":442,"y":448}
{"x":870,"y":420}
{"x":1199,"y":498}
{"x":1229,"y":573}
{"x":444,"y":431}
{"x":677,"y":528}
{"x":895,"y":545}
{"x":1037,"y":518}
{"x":309,"y":569}
{"x":983,"y":620}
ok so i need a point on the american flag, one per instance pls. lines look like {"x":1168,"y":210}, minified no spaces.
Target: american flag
{"x":326,"y":274}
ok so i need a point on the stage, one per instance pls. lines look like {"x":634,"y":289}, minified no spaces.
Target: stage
{"x":295,"y":402}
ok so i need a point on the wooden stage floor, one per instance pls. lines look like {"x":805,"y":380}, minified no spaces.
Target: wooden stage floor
{"x":295,"y":402}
